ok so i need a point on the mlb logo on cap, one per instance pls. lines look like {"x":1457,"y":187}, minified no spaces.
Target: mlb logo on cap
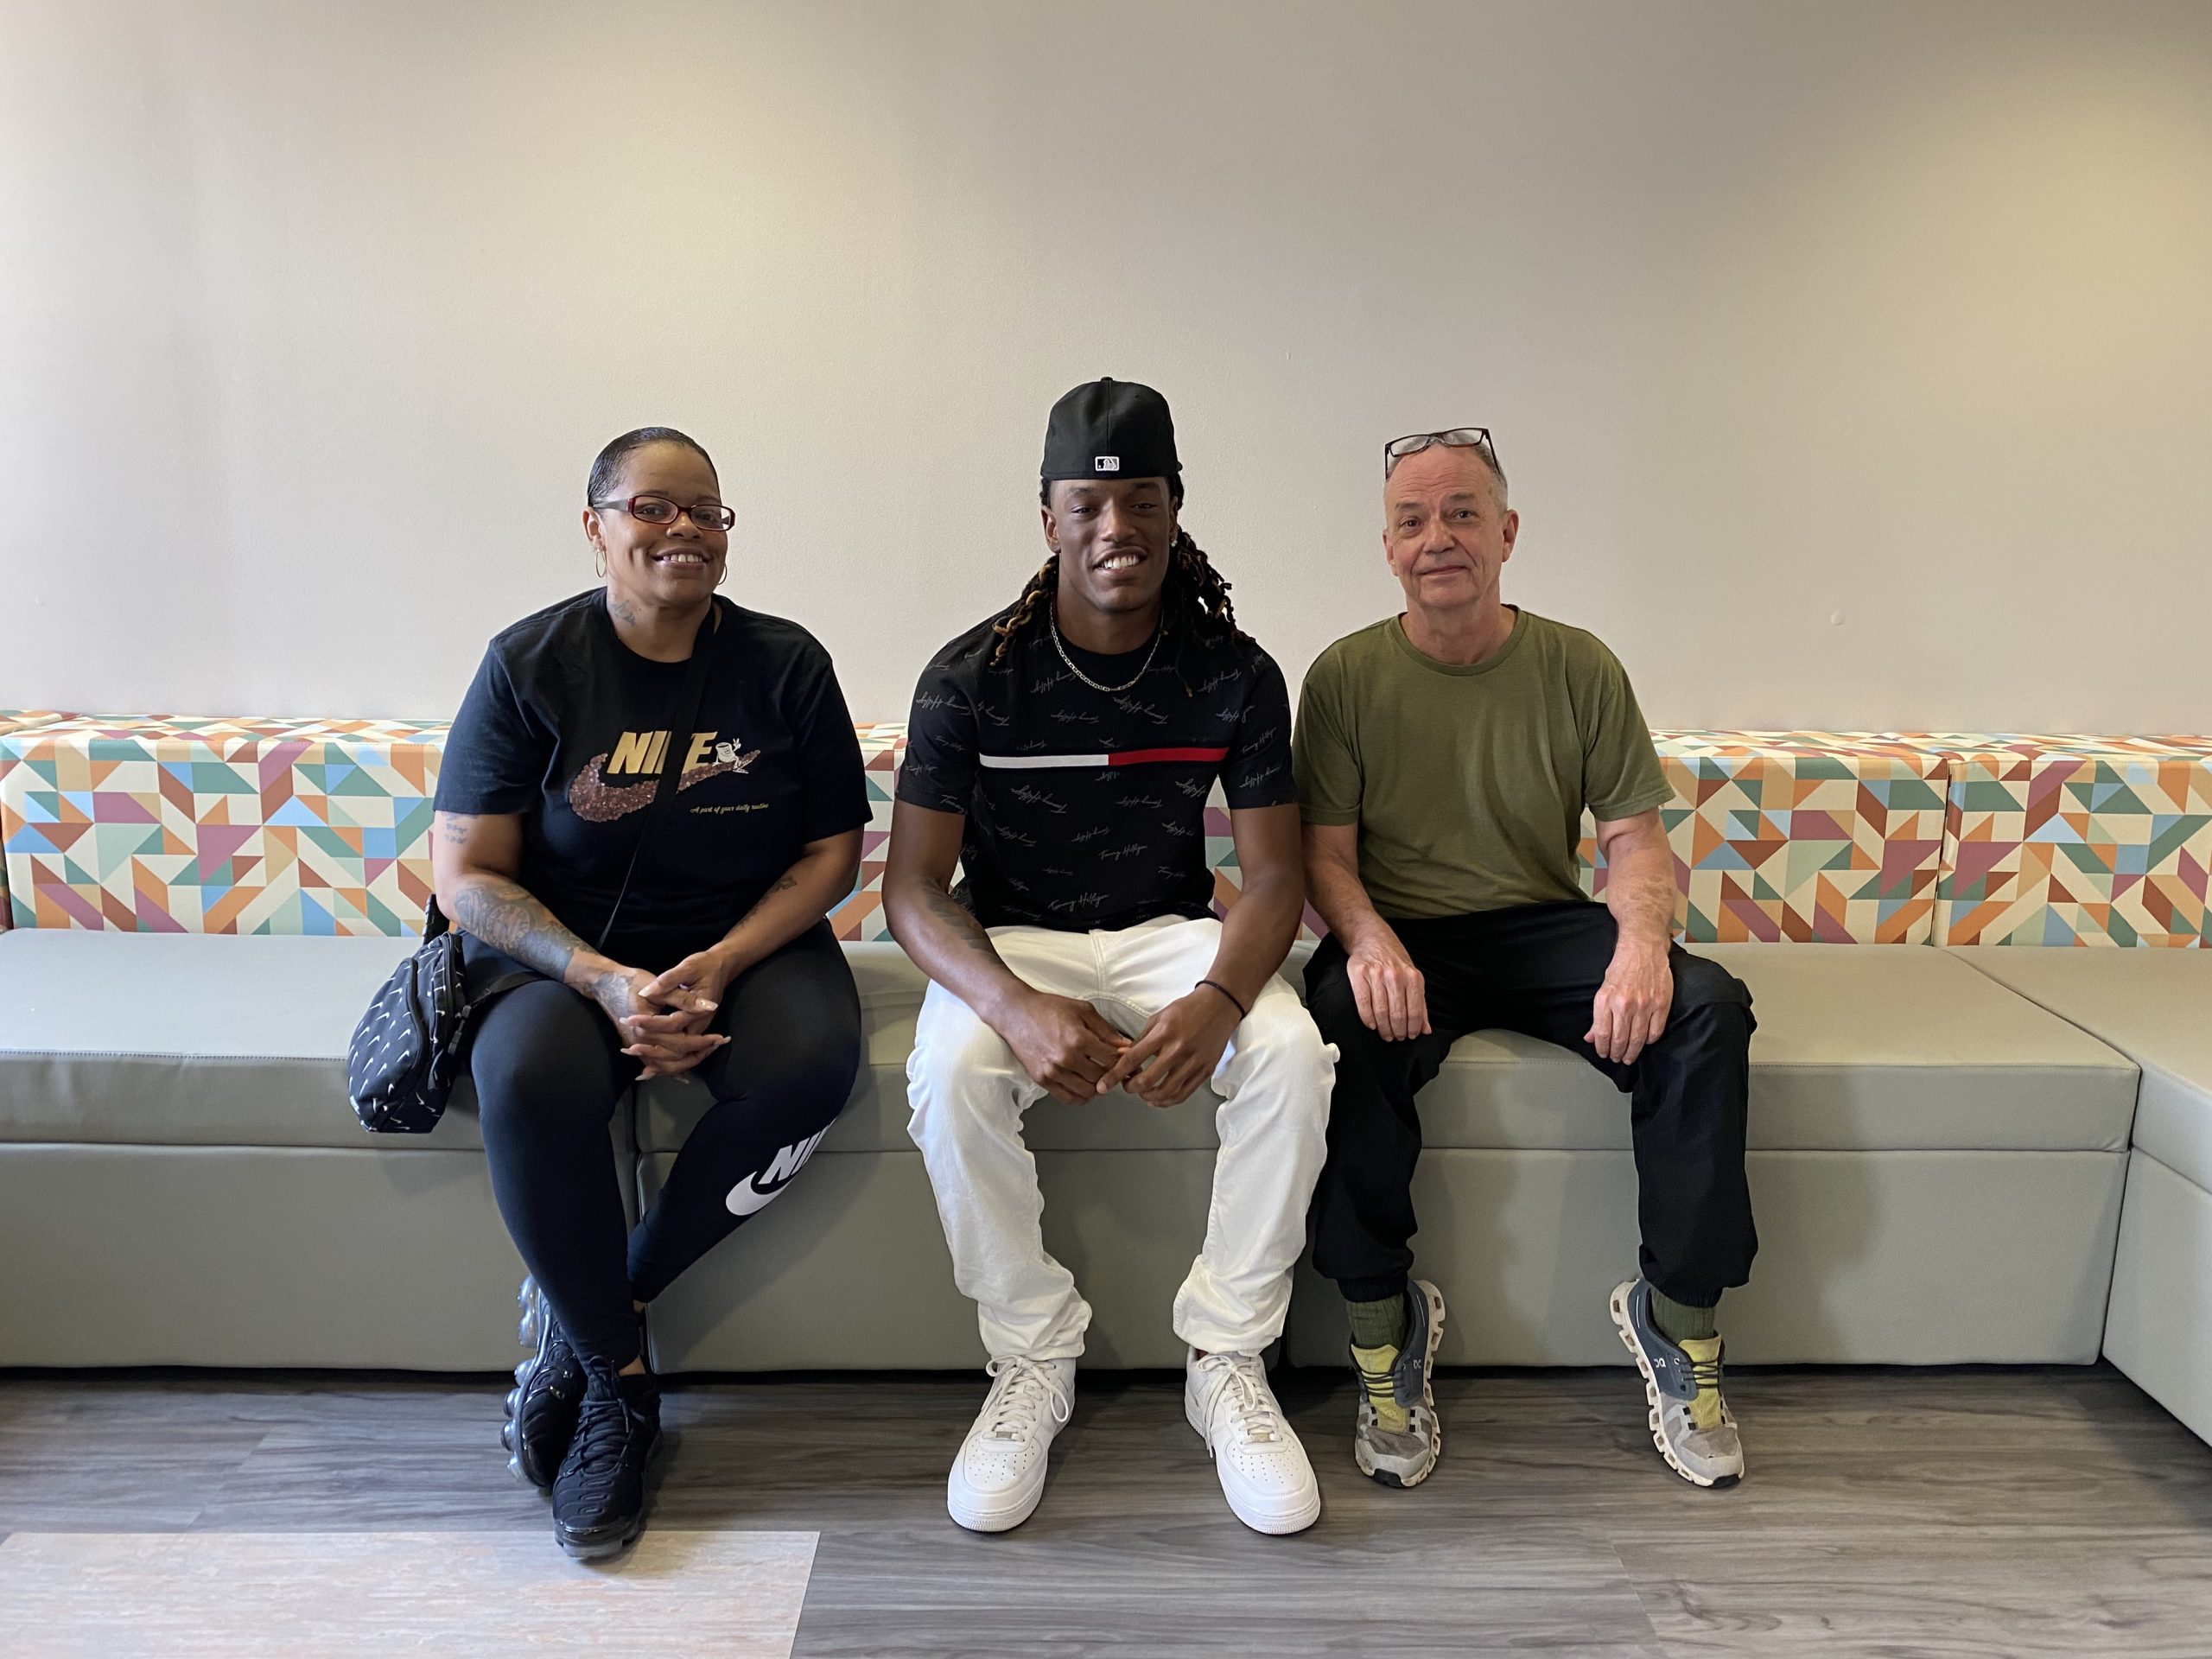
{"x":1106,"y":463}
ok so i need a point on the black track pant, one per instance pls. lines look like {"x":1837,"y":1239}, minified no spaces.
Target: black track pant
{"x":1536,"y":969}
{"x":549,"y":1072}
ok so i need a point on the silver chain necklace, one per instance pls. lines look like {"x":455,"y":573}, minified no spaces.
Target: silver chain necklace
{"x":1053,"y":619}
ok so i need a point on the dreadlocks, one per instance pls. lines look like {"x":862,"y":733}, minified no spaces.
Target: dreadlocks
{"x":1194,"y":601}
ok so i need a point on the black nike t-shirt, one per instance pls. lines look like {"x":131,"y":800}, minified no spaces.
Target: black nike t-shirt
{"x":1086,"y":809}
{"x":566,"y":726}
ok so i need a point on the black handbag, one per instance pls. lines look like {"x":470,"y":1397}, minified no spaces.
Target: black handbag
{"x":407,"y":1047}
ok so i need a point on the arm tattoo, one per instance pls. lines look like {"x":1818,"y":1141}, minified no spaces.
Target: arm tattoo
{"x":504,"y":916}
{"x":785,"y":883}
{"x":957,"y":922}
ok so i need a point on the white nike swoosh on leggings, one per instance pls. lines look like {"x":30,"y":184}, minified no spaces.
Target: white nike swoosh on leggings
{"x":754,"y":1192}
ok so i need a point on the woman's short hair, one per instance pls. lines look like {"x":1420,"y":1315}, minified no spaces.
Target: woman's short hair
{"x":606,"y":470}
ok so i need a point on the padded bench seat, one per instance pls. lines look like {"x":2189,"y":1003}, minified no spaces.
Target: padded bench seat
{"x":2155,"y":1006}
{"x":188,"y":1038}
{"x":1937,"y":1164}
{"x":1920,"y":1138}
{"x":1923,"y":1148}
{"x":182,"y":1182}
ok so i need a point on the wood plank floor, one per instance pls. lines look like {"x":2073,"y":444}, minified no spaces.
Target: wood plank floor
{"x":280,"y":1595}
{"x":1893,"y":1513}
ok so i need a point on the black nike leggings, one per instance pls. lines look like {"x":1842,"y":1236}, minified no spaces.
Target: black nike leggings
{"x":550,"y":1073}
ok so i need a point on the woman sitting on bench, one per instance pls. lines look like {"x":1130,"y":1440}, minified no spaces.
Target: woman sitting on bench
{"x":672,"y":928}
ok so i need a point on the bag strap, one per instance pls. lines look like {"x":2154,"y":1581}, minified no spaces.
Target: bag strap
{"x":679,"y":740}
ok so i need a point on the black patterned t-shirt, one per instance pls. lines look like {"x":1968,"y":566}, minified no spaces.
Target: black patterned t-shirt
{"x":1086,"y":809}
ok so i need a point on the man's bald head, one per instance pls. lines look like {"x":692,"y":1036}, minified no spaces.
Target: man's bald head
{"x":1442,"y":467}
{"x":1446,"y":531}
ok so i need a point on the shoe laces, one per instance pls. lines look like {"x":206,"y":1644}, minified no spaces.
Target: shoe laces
{"x":1022,"y":1391}
{"x":603,"y":1436}
{"x":1379,"y":1389}
{"x":1379,"y":1385}
{"x":1251,"y":1407}
{"x":1705,"y":1373}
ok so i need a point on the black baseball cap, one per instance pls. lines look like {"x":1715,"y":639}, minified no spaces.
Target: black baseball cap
{"x":1110,"y":429}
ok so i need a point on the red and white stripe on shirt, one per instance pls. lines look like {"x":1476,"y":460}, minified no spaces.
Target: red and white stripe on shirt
{"x":1111,"y":757}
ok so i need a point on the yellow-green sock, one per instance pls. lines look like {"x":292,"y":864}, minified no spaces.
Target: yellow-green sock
{"x":1680,"y":1322}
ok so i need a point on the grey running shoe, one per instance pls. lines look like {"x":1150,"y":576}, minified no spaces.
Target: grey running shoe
{"x":547,"y":1393}
{"x":1399,"y":1438}
{"x":1691,"y":1424}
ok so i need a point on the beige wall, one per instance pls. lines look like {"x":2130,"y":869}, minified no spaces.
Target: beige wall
{"x":1852,"y":363}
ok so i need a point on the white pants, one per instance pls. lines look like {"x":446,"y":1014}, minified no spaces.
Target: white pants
{"x":969,"y":1094}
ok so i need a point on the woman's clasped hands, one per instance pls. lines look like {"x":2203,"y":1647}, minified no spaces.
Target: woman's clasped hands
{"x":663,"y":1018}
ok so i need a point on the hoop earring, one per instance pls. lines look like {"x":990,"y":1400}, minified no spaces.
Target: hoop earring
{"x":600,"y":565}
{"x":723,"y":577}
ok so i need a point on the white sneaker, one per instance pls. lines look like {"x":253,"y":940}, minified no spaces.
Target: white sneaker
{"x":1264,"y":1473}
{"x":999,"y":1473}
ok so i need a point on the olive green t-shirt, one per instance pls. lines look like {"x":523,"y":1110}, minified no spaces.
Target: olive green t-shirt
{"x":1468,"y":783}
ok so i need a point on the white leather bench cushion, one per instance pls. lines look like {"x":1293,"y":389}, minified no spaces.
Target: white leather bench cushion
{"x":190,"y":1039}
{"x":2155,"y":1006}
{"x":210,"y":1040}
{"x":1859,"y":1047}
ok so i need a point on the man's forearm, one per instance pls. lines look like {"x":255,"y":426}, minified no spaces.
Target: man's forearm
{"x":1256,"y":935}
{"x":1640,"y":891}
{"x":950,"y":945}
{"x":502,"y":914}
{"x":1341,"y":898}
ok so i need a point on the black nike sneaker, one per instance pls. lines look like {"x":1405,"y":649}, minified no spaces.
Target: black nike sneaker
{"x":549,"y":1392}
{"x":599,"y":1496}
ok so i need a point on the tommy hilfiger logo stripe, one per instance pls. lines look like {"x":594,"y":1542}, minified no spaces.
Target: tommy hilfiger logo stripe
{"x":1114,"y":757}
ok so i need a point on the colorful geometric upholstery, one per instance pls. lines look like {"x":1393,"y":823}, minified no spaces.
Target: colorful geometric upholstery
{"x":259,"y":826}
{"x":220,"y":826}
{"x":883,"y":746}
{"x":313,"y":826}
{"x":1809,"y":836}
{"x":19,"y":720}
{"x":2075,"y":840}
